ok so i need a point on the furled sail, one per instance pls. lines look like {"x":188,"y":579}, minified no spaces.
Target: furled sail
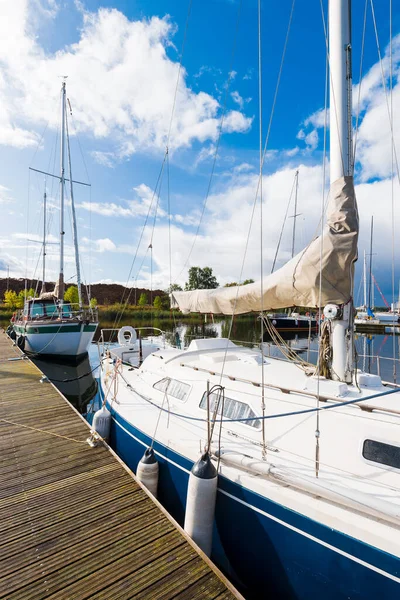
{"x":297,"y":283}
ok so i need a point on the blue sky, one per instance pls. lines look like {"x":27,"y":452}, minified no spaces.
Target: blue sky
{"x":122,"y":62}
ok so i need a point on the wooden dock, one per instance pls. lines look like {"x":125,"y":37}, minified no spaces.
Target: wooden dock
{"x":75,"y":523}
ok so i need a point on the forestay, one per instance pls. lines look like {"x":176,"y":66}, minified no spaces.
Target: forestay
{"x":297,"y":283}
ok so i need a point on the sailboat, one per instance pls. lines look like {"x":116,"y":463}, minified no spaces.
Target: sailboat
{"x":291,"y":321}
{"x":366,"y":318}
{"x":47,"y":325}
{"x":308,"y":460}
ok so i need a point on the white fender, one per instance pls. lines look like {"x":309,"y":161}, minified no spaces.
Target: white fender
{"x":102,"y":422}
{"x":147,"y":471}
{"x":200,"y":503}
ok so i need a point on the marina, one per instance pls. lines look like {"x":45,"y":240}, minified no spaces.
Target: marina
{"x":199,"y":384}
{"x":75,"y":522}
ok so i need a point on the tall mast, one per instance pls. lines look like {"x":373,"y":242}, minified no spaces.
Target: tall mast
{"x":62,"y":184}
{"x":341,"y":161}
{"x":370,"y":300}
{"x":44,"y":241}
{"x":365,"y":281}
{"x":74,"y":227}
{"x":295,"y":209}
{"x":341,"y":144}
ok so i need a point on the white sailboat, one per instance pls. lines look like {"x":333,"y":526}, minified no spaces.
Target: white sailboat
{"x":308,"y":501}
{"x":366,"y":317}
{"x":48,"y":325}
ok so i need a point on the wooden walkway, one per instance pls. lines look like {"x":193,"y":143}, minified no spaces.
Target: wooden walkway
{"x":74,"y":522}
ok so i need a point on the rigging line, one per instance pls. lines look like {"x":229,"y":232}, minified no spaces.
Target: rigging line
{"x":392,"y":179}
{"x":179,"y":72}
{"x":266,"y":417}
{"x":283,"y":225}
{"x":27,"y":232}
{"x":385,"y":90}
{"x":169,"y":225}
{"x":264,"y":445}
{"x":41,"y":138}
{"x":264,"y":154}
{"x":258,"y":183}
{"x":317,"y":432}
{"x":360,"y":83}
{"x":217,"y":145}
{"x":278,"y":81}
{"x":120,"y":313}
{"x":79,"y":143}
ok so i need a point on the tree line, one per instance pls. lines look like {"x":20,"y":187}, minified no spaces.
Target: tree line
{"x":198,"y":279}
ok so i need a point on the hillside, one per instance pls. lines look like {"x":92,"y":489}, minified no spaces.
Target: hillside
{"x":104,"y":293}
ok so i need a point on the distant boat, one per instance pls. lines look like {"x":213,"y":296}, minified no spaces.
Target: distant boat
{"x":366,"y":317}
{"x":294,"y":322}
{"x":49,"y":326}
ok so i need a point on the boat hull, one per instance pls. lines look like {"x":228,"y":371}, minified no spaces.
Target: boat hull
{"x":273,"y":551}
{"x":67,"y":340}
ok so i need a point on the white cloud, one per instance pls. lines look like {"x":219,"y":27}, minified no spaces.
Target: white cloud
{"x":144,"y":203}
{"x":104,"y":245}
{"x":111,"y":91}
{"x":237,"y":98}
{"x":374,"y":137}
{"x":311,"y":139}
{"x":107,"y":159}
{"x":318,"y":119}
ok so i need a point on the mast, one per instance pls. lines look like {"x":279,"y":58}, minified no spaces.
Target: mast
{"x":341,"y":162}
{"x":62,"y":184}
{"x":370,"y":300}
{"x":74,"y":227}
{"x":295,"y":209}
{"x":365,"y":281}
{"x":44,"y":241}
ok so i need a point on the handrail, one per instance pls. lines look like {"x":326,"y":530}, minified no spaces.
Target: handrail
{"x":85,"y":313}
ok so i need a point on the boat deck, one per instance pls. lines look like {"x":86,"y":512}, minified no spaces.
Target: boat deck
{"x":75,"y":522}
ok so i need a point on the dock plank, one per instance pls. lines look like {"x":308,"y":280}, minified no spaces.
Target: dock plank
{"x":75,"y":522}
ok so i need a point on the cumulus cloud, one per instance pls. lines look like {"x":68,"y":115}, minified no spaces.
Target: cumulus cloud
{"x":145,"y":202}
{"x":372,"y":105}
{"x":104,"y":245}
{"x":121,"y":83}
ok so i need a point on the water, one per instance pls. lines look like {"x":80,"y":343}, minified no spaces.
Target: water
{"x":79,"y":382}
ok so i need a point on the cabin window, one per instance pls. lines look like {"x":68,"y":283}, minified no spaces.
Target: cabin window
{"x":233,"y":409}
{"x":66,"y":310}
{"x":51,"y":309}
{"x":173,"y":387}
{"x":384,"y":454}
{"x":37,"y":310}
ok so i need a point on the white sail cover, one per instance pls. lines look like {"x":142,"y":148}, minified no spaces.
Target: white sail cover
{"x":297,"y":283}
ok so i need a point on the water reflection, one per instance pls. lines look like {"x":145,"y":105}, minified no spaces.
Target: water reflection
{"x":75,"y":381}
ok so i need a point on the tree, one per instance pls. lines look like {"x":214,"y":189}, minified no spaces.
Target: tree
{"x":201,"y":279}
{"x":143,"y":299}
{"x":157,"y":303}
{"x":93,"y":303}
{"x":11,"y":299}
{"x":174,"y":287}
{"x":234,"y":283}
{"x":165,"y":302}
{"x":22,"y":296}
{"x":71,"y":295}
